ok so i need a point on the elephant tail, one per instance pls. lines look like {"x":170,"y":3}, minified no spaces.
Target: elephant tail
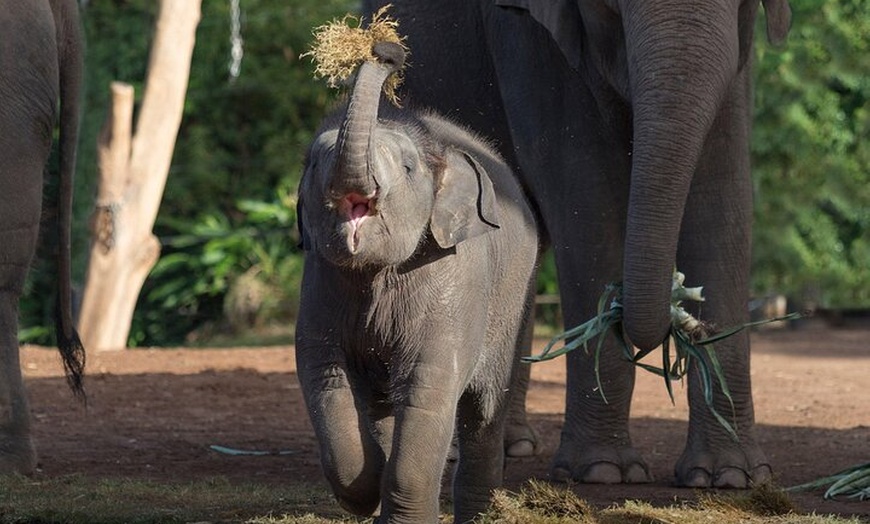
{"x":70,"y":58}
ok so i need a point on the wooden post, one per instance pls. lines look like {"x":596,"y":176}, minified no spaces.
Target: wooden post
{"x":133,"y":172}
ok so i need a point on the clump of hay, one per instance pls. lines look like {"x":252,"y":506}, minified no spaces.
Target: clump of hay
{"x":763,"y":499}
{"x":538,"y":502}
{"x":341,"y":46}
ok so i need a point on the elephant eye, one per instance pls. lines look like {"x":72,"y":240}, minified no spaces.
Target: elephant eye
{"x":409,"y":164}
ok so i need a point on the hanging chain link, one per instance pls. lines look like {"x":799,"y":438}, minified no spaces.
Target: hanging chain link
{"x":236,"y":42}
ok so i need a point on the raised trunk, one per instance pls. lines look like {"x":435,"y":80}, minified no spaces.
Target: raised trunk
{"x":353,"y":143}
{"x":681,"y":61}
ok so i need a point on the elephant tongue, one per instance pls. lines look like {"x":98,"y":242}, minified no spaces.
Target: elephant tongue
{"x":359,"y":210}
{"x":356,"y":206}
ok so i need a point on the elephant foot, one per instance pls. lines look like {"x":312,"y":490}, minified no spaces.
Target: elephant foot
{"x":17,"y":457}
{"x":520,"y":440}
{"x":600,"y":466}
{"x":736,"y":468}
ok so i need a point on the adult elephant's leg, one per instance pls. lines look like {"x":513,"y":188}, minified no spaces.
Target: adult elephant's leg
{"x":19,"y":225}
{"x":16,"y":449}
{"x":575,"y":160}
{"x":28,"y":96}
{"x":595,"y":443}
{"x":714,"y":252}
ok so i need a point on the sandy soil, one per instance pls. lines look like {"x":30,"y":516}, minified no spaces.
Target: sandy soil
{"x":153,"y":413}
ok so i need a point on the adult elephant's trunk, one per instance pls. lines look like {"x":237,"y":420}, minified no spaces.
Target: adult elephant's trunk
{"x":681,"y":61}
{"x":353,"y":172}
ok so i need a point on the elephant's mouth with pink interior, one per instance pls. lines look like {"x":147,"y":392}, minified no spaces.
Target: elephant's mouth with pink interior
{"x":356,"y":209}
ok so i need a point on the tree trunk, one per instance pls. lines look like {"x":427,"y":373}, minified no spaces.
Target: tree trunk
{"x":133,"y":171}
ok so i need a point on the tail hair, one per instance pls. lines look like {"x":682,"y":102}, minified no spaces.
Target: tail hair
{"x":72,"y":353}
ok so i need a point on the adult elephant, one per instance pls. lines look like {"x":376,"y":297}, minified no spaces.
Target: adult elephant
{"x":629,"y":123}
{"x":40,"y":60}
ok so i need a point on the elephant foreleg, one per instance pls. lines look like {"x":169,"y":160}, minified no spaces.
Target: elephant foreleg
{"x":421,"y":441}
{"x":714,"y":252}
{"x":351,"y":458}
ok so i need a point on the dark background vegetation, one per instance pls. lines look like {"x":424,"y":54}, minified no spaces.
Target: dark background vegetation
{"x":230,"y":264}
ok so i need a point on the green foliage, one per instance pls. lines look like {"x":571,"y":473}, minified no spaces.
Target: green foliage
{"x":220,"y":273}
{"x":227,"y":221}
{"x":811,"y":157}
{"x":241,"y":142}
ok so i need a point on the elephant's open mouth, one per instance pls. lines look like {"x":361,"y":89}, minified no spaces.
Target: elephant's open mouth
{"x":356,"y":209}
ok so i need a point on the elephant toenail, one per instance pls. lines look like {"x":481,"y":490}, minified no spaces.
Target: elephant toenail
{"x":602,"y":473}
{"x":698,"y":478}
{"x":637,"y":474}
{"x":521,"y":448}
{"x":731,"y":478}
{"x":761,"y":474}
{"x":561,"y":474}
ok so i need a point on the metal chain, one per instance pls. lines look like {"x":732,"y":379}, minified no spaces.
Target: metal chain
{"x":236,"y":41}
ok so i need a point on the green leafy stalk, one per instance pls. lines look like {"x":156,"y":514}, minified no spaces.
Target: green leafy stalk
{"x":852,"y":482}
{"x":692,"y":341}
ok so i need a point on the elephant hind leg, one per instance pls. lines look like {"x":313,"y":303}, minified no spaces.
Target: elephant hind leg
{"x":17,"y":454}
{"x":481,"y":458}
{"x":520,"y":439}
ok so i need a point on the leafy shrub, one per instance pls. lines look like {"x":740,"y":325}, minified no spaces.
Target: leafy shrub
{"x":222,"y":274}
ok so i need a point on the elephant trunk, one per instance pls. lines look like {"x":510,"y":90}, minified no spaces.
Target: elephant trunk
{"x":681,"y":61}
{"x":353,"y":169}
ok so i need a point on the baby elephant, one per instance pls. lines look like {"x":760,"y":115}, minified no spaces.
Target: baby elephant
{"x":420,"y":258}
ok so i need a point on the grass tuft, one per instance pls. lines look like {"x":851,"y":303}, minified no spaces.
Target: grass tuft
{"x":763,"y":499}
{"x":538,"y":502}
{"x":78,"y":500}
{"x":341,"y":46}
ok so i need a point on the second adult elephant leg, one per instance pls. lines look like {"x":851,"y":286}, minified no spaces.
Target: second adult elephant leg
{"x":19,"y":224}
{"x":23,"y":150}
{"x":575,"y":161}
{"x":714,"y":252}
{"x":16,"y":449}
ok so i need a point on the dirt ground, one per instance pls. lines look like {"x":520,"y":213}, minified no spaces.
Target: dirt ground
{"x":153,"y":413}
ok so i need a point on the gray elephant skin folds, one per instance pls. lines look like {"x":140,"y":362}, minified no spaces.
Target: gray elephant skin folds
{"x":420,"y":256}
{"x":628,"y":124}
{"x":40,"y":82}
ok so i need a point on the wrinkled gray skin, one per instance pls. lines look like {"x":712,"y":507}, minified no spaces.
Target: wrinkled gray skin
{"x":421,"y":251}
{"x":40,"y":60}
{"x":628,"y":123}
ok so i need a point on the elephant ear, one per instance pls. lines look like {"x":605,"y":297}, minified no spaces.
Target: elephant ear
{"x":778,"y":16}
{"x":465,"y":204}
{"x":561,"y":18}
